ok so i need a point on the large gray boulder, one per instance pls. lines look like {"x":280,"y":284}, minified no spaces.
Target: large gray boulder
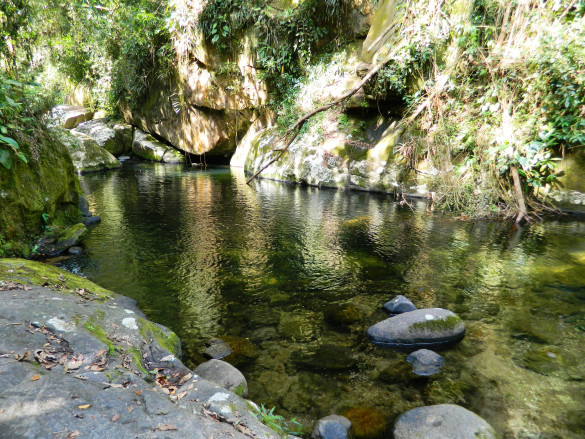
{"x":116,"y":138}
{"x":443,"y":421}
{"x":84,"y":362}
{"x":332,"y":427}
{"x":149,"y":148}
{"x":433,"y":328}
{"x":69,"y":116}
{"x":86,"y":154}
{"x":225,"y":375}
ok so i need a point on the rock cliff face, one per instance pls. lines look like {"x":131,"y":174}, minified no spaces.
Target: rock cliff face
{"x":210,"y":102}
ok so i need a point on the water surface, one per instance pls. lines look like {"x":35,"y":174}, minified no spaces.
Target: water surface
{"x":291,"y":277}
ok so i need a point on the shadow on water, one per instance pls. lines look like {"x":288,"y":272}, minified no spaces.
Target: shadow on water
{"x":291,"y":277}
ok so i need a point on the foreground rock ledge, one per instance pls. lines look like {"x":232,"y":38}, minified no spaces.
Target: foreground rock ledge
{"x":77,"y":360}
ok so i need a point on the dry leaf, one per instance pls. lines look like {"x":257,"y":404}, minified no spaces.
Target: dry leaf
{"x":35,"y":377}
{"x":74,"y":435}
{"x":181,"y":395}
{"x":96,"y":368}
{"x":168,"y":358}
{"x":131,"y":408}
{"x":100,"y":353}
{"x":166,"y":427}
{"x":115,"y":418}
{"x":84,"y":406}
{"x":186,"y":378}
{"x":190,"y":386}
{"x":138,"y":392}
{"x":1,"y":410}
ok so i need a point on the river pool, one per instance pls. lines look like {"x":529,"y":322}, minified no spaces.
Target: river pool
{"x":290,"y":277}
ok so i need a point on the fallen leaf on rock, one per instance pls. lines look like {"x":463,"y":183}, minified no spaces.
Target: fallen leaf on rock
{"x":243,"y":429}
{"x":84,"y":406}
{"x":131,"y":408}
{"x":166,"y":427}
{"x":75,"y":362}
{"x":168,"y":358}
{"x":35,"y":377}
{"x":138,"y":392}
{"x":186,"y":378}
{"x":1,"y":410}
{"x":115,"y":418}
{"x":179,"y":396}
{"x":100,"y":353}
{"x":74,"y":435}
{"x":63,"y":359}
{"x":190,"y":386}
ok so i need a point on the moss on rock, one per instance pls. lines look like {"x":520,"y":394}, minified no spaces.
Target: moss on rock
{"x":35,"y":273}
{"x":45,"y":191}
{"x":166,"y":339}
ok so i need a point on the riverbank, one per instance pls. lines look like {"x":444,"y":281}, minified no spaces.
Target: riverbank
{"x":77,"y":360}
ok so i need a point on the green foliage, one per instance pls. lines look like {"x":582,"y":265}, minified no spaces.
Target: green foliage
{"x":278,"y":423}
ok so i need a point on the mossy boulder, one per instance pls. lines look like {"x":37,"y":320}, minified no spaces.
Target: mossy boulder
{"x":116,"y":138}
{"x":86,"y":154}
{"x":44,"y":191}
{"x":59,"y":241}
{"x":148,"y":148}
{"x":432,"y":328}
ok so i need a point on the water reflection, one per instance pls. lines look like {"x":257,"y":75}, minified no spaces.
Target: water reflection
{"x":291,"y":277}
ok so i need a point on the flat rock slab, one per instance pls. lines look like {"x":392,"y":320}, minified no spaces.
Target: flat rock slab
{"x":69,"y":116}
{"x":433,"y":328}
{"x":443,"y":421}
{"x":77,"y":360}
{"x":116,"y":138}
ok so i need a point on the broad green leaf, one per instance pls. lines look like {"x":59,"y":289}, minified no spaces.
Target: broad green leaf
{"x":10,"y":141}
{"x":5,"y":158}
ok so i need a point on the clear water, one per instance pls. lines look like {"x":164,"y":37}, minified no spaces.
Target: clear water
{"x":291,"y":277}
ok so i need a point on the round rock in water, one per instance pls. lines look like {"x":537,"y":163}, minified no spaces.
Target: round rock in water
{"x":398,"y":305}
{"x":332,"y":427}
{"x":425,"y":362}
{"x":224,"y":375}
{"x":443,"y":421}
{"x":433,"y":328}
{"x":217,"y":349}
{"x":75,"y":250}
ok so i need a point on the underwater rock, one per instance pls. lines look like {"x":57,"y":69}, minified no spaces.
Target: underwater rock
{"x":217,"y":349}
{"x":242,"y":350}
{"x":398,"y":305}
{"x":443,"y":421}
{"x":300,"y":326}
{"x":424,"y":328}
{"x":91,"y":220}
{"x":367,"y":422}
{"x":75,"y":250}
{"x":332,"y":427}
{"x":329,"y":357}
{"x":343,"y":316}
{"x":425,"y":362}
{"x":225,"y":375}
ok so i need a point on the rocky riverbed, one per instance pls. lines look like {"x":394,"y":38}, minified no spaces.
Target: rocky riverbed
{"x":78,"y":361}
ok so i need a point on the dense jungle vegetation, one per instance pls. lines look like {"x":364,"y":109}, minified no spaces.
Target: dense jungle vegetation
{"x":495,"y":119}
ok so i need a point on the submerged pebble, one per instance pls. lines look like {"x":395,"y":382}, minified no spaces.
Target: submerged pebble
{"x":425,"y":362}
